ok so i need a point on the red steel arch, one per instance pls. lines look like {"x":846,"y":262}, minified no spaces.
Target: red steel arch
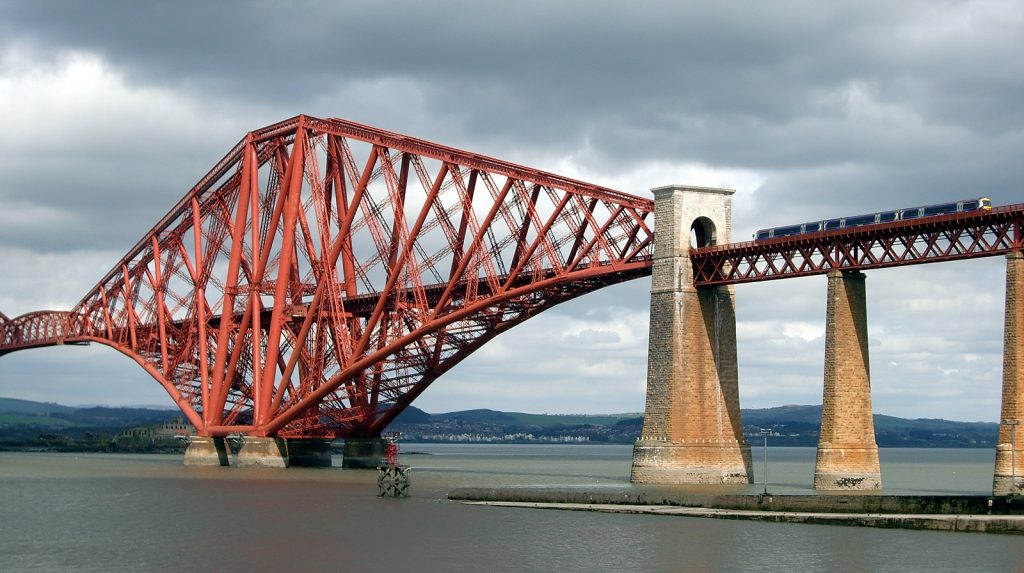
{"x":324,"y":273}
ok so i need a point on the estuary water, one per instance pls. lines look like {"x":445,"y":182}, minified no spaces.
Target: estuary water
{"x":118,"y":512}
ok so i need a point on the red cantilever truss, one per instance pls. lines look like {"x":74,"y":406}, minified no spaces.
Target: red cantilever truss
{"x":933,"y":239}
{"x":324,"y":273}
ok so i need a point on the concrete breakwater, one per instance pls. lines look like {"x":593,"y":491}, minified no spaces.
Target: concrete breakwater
{"x":939,"y":512}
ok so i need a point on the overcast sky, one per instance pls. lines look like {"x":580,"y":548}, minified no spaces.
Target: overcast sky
{"x":111,"y":111}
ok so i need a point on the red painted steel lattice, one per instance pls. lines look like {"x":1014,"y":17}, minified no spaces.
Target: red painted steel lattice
{"x":324,"y":273}
{"x":929,"y":240}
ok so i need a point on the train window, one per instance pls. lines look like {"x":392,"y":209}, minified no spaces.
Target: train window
{"x":787,"y":231}
{"x":887,"y":217}
{"x":910,"y":214}
{"x":933,"y":210}
{"x":860,"y":220}
{"x":833,"y":224}
{"x":762,"y":234}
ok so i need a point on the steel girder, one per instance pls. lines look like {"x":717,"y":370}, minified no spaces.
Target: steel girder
{"x":324,"y":273}
{"x":928,"y":240}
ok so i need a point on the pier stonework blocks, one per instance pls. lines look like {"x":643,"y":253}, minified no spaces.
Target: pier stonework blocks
{"x":1010,"y":448}
{"x":262,"y":452}
{"x":309,"y":452}
{"x":206,"y":451}
{"x":364,"y":453}
{"x":847,"y":451}
{"x":692,"y":431}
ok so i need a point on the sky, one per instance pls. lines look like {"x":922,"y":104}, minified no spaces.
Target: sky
{"x":111,"y":111}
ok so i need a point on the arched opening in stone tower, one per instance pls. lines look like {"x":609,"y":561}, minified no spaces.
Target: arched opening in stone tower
{"x":702,"y":233}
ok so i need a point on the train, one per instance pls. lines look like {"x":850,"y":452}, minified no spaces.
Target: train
{"x":981,"y":203}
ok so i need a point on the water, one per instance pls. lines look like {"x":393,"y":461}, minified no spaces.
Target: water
{"x":99,"y":512}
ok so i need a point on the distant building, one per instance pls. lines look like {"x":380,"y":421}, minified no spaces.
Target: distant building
{"x":174,"y":429}
{"x":140,"y":437}
{"x":136,"y":437}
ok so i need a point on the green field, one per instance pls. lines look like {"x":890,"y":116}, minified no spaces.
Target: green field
{"x":38,"y":421}
{"x":551,"y":420}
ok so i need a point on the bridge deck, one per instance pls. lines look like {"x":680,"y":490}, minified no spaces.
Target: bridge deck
{"x":927,"y":240}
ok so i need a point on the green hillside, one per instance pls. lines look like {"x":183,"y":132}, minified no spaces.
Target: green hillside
{"x":800,"y":425}
{"x":792,"y":426}
{"x":28,"y":407}
{"x":42,"y":422}
{"x":541,"y":420}
{"x":24,"y":420}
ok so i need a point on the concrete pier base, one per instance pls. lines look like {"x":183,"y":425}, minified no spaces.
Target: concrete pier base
{"x":847,"y":451}
{"x":364,"y":453}
{"x":1008,"y":481}
{"x":310,"y":453}
{"x":262,"y":452}
{"x":707,"y":464}
{"x":846,"y":479}
{"x":203,"y":451}
{"x":1008,"y":477}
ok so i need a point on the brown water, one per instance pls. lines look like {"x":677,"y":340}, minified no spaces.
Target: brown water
{"x":66,"y":512}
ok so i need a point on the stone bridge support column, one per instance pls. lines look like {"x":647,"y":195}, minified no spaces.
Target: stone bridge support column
{"x":847,"y":451}
{"x":692,"y":431}
{"x":364,"y":453}
{"x":262,"y":452}
{"x":1009,"y":470}
{"x":309,"y":452}
{"x":205,"y":451}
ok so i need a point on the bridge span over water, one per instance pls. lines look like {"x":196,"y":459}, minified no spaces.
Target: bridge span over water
{"x":324,"y":273}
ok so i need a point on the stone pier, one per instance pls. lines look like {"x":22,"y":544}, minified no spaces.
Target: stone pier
{"x":204,"y":451}
{"x":364,"y":453}
{"x":1009,"y":468}
{"x":309,"y":452}
{"x":264,"y":452}
{"x":847,"y":452}
{"x":692,"y":432}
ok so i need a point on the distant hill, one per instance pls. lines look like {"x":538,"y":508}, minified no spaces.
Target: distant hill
{"x":794,"y":425}
{"x":890,"y":431}
{"x":24,"y":415}
{"x":30,"y":408}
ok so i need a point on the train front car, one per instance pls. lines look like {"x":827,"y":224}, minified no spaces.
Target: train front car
{"x":909,"y":213}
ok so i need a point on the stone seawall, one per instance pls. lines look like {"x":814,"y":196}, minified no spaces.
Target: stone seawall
{"x":938,"y":512}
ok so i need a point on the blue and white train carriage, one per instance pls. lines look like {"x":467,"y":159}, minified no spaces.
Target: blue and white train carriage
{"x":982,"y":203}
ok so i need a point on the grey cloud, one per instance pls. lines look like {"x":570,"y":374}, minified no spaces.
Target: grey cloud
{"x":726,"y":85}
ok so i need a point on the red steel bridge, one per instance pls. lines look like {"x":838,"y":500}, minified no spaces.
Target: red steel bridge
{"x":324,"y":273}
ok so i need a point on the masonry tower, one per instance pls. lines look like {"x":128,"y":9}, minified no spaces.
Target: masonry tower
{"x":1009,"y":471}
{"x":847,"y":457}
{"x":692,"y":432}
